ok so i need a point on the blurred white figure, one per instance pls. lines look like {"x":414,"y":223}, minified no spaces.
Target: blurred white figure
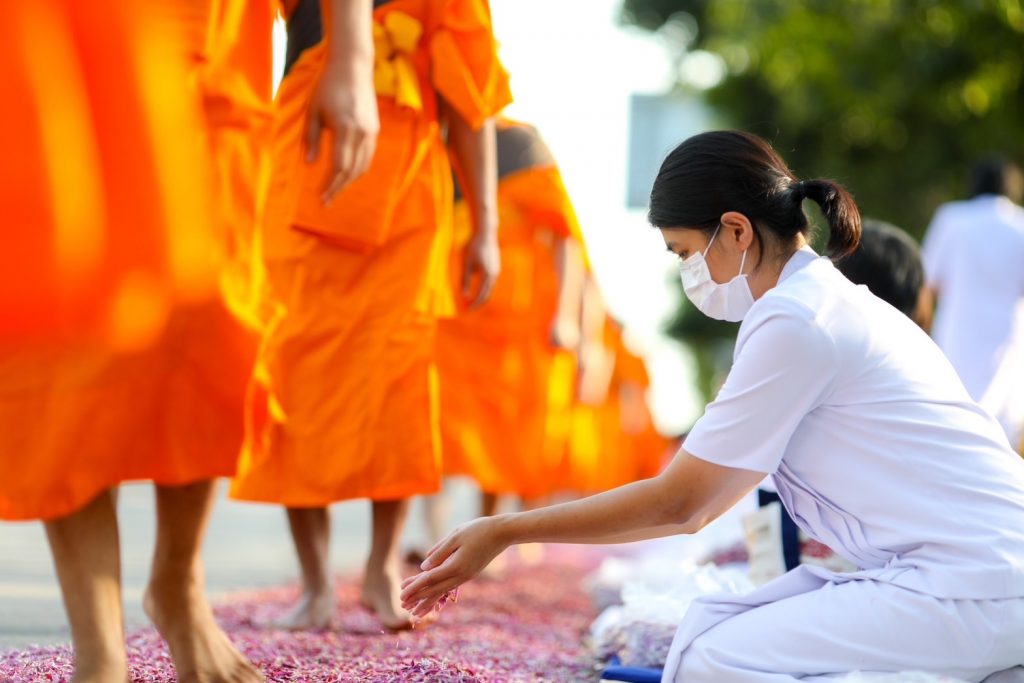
{"x":974,"y":262}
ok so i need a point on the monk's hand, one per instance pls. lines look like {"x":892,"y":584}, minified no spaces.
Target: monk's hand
{"x":481,"y":266}
{"x":565,"y":333}
{"x":452,"y":562}
{"x":344,"y":103}
{"x":593,"y":374}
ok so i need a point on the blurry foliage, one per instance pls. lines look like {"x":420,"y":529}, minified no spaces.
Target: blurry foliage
{"x":894,"y":98}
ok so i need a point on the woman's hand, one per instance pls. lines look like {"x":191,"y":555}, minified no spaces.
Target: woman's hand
{"x":345,"y":103}
{"x":452,"y":562}
{"x":481,"y":266}
{"x":688,"y":494}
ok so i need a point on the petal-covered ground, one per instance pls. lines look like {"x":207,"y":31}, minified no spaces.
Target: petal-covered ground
{"x":525,"y":626}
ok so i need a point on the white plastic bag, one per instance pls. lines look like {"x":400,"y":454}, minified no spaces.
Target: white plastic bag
{"x":604,"y":586}
{"x":654,"y":602}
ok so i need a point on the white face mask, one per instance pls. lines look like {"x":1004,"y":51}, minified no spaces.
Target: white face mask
{"x":722,"y":301}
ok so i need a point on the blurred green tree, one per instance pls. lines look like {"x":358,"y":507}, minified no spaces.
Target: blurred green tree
{"x":894,"y":98}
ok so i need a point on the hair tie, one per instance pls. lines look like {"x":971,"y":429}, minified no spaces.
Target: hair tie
{"x":800,"y":189}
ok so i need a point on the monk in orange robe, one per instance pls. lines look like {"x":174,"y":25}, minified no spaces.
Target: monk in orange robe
{"x":648,"y":450}
{"x":613,"y":439}
{"x":119,"y":359}
{"x":345,"y":394}
{"x":495,"y":363}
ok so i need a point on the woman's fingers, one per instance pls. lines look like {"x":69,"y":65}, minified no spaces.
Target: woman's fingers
{"x":437,"y":545}
{"x":418,"y":584}
{"x":440,"y":552}
{"x":423,"y":583}
{"x":430,"y":599}
{"x":431,"y":593}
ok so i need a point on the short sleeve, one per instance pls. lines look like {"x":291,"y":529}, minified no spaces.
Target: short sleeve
{"x":934,"y":248}
{"x":465,"y":66}
{"x":784,"y":367}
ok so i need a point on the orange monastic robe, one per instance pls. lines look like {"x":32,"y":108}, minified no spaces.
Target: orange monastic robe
{"x":615,"y":442}
{"x":345,"y":395}
{"x":118,"y":359}
{"x":495,"y":363}
{"x":646,"y":449}
{"x":236,"y":81}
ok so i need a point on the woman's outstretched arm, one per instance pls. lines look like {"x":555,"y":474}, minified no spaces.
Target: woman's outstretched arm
{"x":685,"y":497}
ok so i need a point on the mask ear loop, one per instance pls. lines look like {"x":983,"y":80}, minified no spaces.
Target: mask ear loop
{"x":743,"y":261}
{"x":711,"y":241}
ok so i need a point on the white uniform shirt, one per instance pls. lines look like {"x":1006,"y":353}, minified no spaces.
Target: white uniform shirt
{"x":973,"y":255}
{"x":876,"y":448}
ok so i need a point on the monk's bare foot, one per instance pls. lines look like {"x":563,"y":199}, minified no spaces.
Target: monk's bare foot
{"x":314,"y":612}
{"x":381,"y":595}
{"x":114,"y":672}
{"x":201,"y":651}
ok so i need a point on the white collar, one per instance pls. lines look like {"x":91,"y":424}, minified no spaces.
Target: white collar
{"x":798,"y":261}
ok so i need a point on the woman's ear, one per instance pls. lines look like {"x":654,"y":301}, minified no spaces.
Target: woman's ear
{"x":737,"y":230}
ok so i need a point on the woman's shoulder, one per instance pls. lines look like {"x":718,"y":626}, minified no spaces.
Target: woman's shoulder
{"x":802,"y":294}
{"x":784,"y":318}
{"x":803,"y":307}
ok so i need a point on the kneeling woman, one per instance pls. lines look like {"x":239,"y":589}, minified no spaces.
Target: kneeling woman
{"x":876,"y":448}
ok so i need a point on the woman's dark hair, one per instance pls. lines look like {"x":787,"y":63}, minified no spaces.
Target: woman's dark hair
{"x":730,"y":170}
{"x":996,"y":175}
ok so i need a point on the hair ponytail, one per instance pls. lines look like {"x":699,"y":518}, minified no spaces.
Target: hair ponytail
{"x":730,"y":170}
{"x":840,"y":211}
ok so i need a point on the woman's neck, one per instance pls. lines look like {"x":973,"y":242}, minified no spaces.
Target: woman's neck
{"x":766,"y":275}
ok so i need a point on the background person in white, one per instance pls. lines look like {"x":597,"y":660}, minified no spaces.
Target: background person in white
{"x":974,"y":259}
{"x":874,"y":444}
